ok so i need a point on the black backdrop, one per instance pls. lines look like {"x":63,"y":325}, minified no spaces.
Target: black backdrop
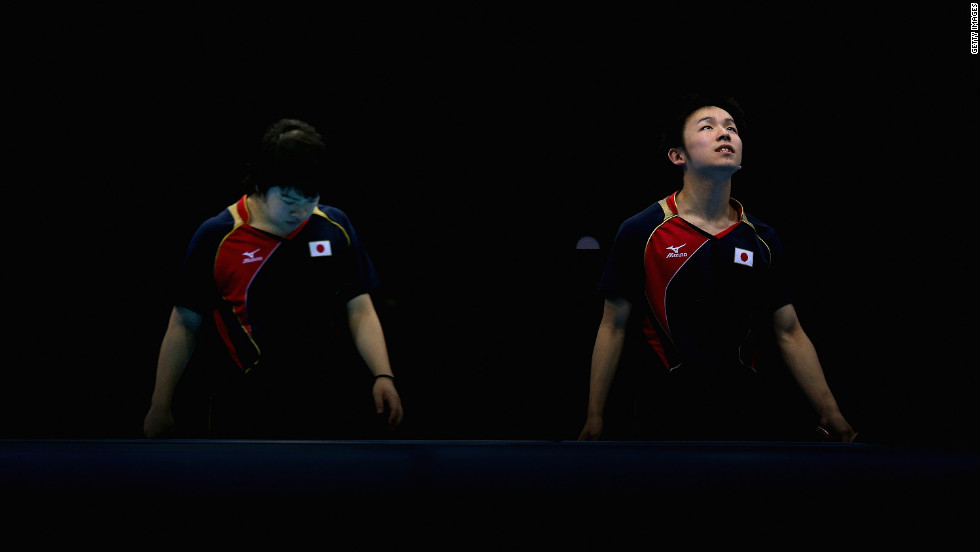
{"x":473,"y":149}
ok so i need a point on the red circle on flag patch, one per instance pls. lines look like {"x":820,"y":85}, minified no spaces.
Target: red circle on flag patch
{"x":320,"y":248}
{"x":745,"y":256}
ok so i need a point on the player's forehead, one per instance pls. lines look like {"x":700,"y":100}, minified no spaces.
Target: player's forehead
{"x":293,"y":194}
{"x":709,"y":114}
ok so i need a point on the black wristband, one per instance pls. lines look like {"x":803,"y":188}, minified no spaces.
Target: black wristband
{"x":392,"y":378}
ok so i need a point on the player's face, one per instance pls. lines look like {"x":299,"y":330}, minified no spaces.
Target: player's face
{"x":287,"y":208}
{"x":712,"y":140}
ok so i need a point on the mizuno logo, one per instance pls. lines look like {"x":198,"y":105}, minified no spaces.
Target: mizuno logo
{"x":250,"y":256}
{"x":675,"y":251}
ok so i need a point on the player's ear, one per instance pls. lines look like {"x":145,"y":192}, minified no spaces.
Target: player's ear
{"x":676,"y":156}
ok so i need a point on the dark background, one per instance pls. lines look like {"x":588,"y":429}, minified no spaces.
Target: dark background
{"x":473,"y":149}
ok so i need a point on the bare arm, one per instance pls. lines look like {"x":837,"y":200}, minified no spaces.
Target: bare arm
{"x":605,"y":359}
{"x":800,"y":356}
{"x":369,"y":339}
{"x":175,"y":352}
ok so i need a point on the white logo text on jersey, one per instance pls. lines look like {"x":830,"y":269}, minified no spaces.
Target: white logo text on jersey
{"x":675,"y":251}
{"x":250,"y":256}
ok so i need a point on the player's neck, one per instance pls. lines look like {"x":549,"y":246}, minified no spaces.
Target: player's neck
{"x":257,"y":217}
{"x":707,"y":197}
{"x":706,"y":204}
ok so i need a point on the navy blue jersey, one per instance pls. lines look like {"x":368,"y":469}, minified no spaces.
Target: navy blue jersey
{"x":702,"y":297}
{"x":274,"y":299}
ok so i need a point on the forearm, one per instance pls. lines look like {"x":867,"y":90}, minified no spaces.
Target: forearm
{"x":175,"y":352}
{"x":605,"y":360}
{"x":607,"y":352}
{"x":369,"y":338}
{"x":800,"y":356}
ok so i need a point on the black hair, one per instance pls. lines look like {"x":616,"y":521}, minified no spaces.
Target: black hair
{"x":681,"y":108}
{"x":292,"y":155}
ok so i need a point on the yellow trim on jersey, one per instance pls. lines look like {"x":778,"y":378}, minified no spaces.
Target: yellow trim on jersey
{"x":317,"y":211}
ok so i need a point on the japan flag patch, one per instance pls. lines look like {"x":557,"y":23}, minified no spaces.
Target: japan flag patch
{"x":320,"y":248}
{"x":743,"y":256}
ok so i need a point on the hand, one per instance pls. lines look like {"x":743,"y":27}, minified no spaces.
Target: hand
{"x":159,"y":422}
{"x":835,"y":428}
{"x":592,"y":430}
{"x":385,"y":395}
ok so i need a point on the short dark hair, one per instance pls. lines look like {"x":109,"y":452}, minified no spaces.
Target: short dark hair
{"x":681,"y":108}
{"x":291,"y":154}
